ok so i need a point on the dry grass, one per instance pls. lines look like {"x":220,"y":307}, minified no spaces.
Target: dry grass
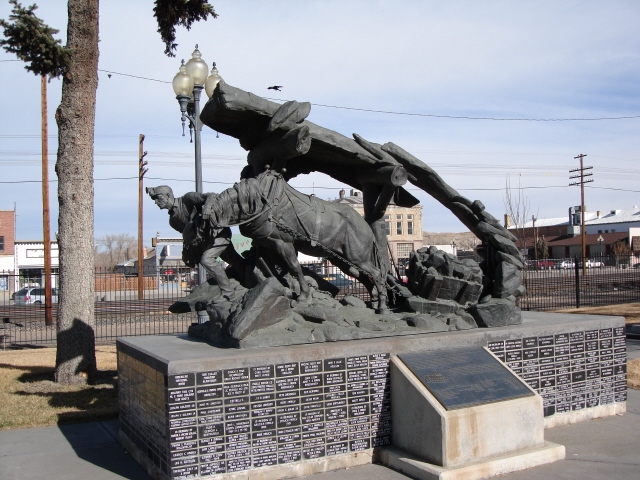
{"x":633,"y":374}
{"x":630,"y":311}
{"x":30,"y":398}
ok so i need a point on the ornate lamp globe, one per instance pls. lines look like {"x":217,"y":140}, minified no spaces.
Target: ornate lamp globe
{"x":212,"y":82}
{"x":197,"y":68}
{"x":182,"y":82}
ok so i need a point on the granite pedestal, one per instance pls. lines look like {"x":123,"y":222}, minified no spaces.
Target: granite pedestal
{"x":188,"y":410}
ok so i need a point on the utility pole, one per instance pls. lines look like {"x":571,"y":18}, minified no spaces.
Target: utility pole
{"x":535,"y":238}
{"x":141,"y":171}
{"x":581,"y":182}
{"x":46,"y":235}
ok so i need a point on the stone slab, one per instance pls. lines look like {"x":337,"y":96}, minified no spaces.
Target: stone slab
{"x":448,"y":438}
{"x":180,"y":354}
{"x":465,"y":377}
{"x":416,"y":468}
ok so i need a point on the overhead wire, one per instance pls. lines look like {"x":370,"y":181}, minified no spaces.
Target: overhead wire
{"x":413,"y":114}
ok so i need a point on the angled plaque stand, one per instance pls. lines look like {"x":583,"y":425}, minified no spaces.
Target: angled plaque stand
{"x":462,"y":414}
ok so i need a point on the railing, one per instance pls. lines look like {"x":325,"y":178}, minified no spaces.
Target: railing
{"x":119,"y":311}
{"x":563,"y":283}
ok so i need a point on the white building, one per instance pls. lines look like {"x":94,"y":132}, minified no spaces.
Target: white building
{"x":613,"y":221}
{"x":29,"y":263}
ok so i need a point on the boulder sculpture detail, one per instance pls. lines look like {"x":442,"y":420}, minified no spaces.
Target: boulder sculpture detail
{"x":276,"y":302}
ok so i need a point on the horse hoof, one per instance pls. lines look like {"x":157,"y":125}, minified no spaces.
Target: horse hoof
{"x":383,"y":311}
{"x":293,"y":303}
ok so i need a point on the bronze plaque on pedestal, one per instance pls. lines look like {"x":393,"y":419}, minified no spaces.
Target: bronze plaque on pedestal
{"x":465,"y":377}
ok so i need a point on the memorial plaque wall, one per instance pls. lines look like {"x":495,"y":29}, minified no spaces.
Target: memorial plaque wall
{"x":233,"y":420}
{"x":202,"y":423}
{"x":570,"y":371}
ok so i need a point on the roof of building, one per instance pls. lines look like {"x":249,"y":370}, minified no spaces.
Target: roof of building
{"x":354,"y":199}
{"x":569,"y":240}
{"x":590,"y":218}
{"x":34,"y":242}
{"x":546,"y":222}
{"x":616,"y":216}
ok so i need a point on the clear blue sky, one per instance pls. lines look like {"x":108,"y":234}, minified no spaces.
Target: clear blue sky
{"x":492,"y":59}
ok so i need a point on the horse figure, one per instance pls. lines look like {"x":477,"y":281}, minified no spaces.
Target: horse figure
{"x":279,"y":218}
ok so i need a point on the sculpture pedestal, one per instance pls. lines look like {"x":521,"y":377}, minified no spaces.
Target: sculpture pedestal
{"x":190,"y":410}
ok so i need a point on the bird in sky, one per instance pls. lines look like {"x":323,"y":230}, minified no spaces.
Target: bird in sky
{"x":275,"y":87}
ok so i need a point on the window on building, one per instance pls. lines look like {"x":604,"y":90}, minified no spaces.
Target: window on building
{"x":613,"y":230}
{"x":398,"y":217}
{"x":606,"y":231}
{"x":409,"y":217}
{"x":398,"y":228}
{"x":1,"y":244}
{"x":404,"y":250}
{"x":409,"y":228}
{"x":387,"y":228}
{"x":599,"y":231}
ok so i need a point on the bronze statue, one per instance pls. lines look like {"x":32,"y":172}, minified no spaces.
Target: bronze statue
{"x":442,"y":292}
{"x":203,"y":244}
{"x":284,"y":221}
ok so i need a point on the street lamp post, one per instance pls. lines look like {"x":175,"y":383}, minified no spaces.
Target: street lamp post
{"x":188,"y":84}
{"x":600,"y":240}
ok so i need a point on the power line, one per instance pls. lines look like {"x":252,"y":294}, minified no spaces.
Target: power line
{"x":457,"y":117}
{"x":389,"y":112}
{"x":134,"y":76}
{"x":431,"y":115}
{"x":617,"y":189}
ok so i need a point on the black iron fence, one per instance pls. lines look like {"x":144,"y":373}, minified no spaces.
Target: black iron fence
{"x":553,"y":284}
{"x":121,"y":311}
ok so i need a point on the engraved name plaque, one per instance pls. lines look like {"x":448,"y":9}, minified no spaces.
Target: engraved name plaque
{"x":465,"y":377}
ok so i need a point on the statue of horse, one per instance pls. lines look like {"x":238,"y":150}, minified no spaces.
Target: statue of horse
{"x":279,"y":218}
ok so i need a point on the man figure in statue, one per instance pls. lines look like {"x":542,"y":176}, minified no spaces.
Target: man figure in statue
{"x":202,"y":243}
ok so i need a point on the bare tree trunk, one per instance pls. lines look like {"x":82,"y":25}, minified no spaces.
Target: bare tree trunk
{"x":75,"y":359}
{"x":517,"y":207}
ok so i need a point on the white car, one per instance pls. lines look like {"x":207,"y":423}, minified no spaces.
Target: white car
{"x":593,"y":264}
{"x":34,"y":296}
{"x":565,"y":264}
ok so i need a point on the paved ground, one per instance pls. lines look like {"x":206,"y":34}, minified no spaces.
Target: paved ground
{"x":600,"y":449}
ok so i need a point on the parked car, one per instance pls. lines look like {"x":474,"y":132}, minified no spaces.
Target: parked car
{"x":592,"y":264}
{"x":34,"y":296}
{"x":338,"y":280}
{"x":565,"y":264}
{"x":169,"y":274}
{"x":543,"y":264}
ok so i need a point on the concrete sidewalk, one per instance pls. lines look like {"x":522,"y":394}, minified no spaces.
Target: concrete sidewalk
{"x":599,"y":449}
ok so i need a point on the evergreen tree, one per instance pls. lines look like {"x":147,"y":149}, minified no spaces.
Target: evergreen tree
{"x":78,"y":64}
{"x":542,"y":249}
{"x":32,"y":41}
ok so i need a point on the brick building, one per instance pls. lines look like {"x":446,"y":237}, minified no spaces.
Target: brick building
{"x":563,"y":235}
{"x":7,"y":240}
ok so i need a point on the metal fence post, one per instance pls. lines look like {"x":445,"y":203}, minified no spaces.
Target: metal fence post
{"x":577,"y":268}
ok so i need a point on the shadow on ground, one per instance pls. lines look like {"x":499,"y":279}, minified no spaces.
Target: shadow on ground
{"x":94,"y":402}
